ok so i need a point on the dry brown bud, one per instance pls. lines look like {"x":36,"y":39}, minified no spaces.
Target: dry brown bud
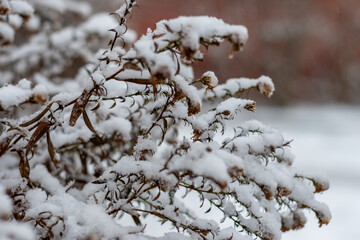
{"x":179,"y":94}
{"x":4,"y":10}
{"x":283,"y":191}
{"x":268,"y":192}
{"x":265,"y":89}
{"x":226,"y":112}
{"x":193,"y":109}
{"x":209,"y":79}
{"x":251,"y":106}
{"x":323,"y":218}
{"x":320,"y":186}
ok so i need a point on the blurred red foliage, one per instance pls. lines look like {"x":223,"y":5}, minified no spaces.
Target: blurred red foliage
{"x":310,"y":48}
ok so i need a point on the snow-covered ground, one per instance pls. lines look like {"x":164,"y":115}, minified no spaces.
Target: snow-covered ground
{"x":327,"y":140}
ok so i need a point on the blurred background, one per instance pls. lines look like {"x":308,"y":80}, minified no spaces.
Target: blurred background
{"x":311,"y":50}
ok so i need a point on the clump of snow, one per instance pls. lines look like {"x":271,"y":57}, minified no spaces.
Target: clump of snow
{"x":194,"y":28}
{"x":237,"y":85}
{"x":7,"y":33}
{"x":98,"y":77}
{"x":144,"y":144}
{"x":5,"y":203}
{"x":120,"y":125}
{"x":54,"y":5}
{"x":15,"y":21}
{"x":12,"y":230}
{"x":21,"y":7}
{"x":33,"y":23}
{"x":15,"y":94}
{"x":15,"y":230}
{"x":99,"y":23}
{"x":36,"y":196}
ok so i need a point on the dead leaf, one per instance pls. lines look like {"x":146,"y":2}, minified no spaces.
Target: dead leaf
{"x":52,"y":151}
{"x":79,"y":107}
{"x":88,"y":123}
{"x":24,"y":166}
{"x":96,"y":107}
{"x":193,"y":109}
{"x":38,"y":117}
{"x":42,"y":128}
{"x":132,"y":66}
{"x":157,"y":196}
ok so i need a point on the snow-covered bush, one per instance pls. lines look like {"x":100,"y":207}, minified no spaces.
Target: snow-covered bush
{"x":54,"y":40}
{"x":81,"y":152}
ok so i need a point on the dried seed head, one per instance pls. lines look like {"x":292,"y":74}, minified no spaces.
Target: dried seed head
{"x":188,"y":53}
{"x":4,"y":10}
{"x":193,"y":109}
{"x":320,"y":185}
{"x":40,"y":95}
{"x":196,"y":134}
{"x":162,"y":72}
{"x":293,"y":221}
{"x":226,"y":112}
{"x":179,"y":94}
{"x":235,"y":171}
{"x":209,"y":79}
{"x":250,"y":107}
{"x":266,"y":86}
{"x":268,"y":192}
{"x":283,"y":191}
{"x":324,"y":217}
{"x":299,"y":220}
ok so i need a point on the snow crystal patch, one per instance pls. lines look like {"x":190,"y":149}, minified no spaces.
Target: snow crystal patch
{"x":15,"y":230}
{"x":203,"y":26}
{"x":120,"y":125}
{"x":145,"y":144}
{"x":15,"y":94}
{"x":15,"y":21}
{"x":36,"y":196}
{"x":5,"y":203}
{"x":63,"y":37}
{"x":99,"y":23}
{"x":40,"y":174}
{"x":22,"y":8}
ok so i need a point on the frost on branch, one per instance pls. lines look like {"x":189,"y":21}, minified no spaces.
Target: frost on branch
{"x":87,"y":150}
